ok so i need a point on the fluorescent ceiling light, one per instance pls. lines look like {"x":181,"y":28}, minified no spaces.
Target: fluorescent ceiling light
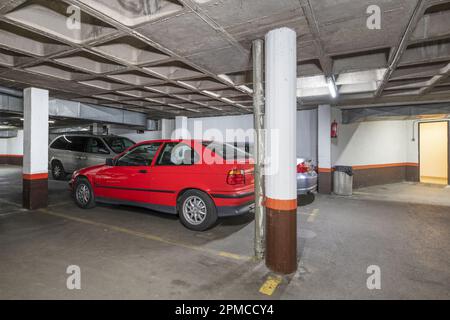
{"x":213,"y":94}
{"x":187,"y":85}
{"x":228,"y":100}
{"x":245,"y":89}
{"x":332,"y":87}
{"x":153,"y":100}
{"x":192,"y":110}
{"x":49,"y":121}
{"x":215,"y":108}
{"x":226,"y":78}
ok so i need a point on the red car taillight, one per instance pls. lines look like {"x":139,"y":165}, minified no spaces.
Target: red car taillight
{"x":302,"y":167}
{"x":236,"y":176}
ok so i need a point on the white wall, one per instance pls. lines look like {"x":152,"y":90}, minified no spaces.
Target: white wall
{"x":412,"y":147}
{"x":3,"y":146}
{"x":136,"y":137}
{"x":215,"y":128}
{"x":15,"y":145}
{"x":373,"y":142}
{"x":12,"y":146}
{"x":307,"y":138}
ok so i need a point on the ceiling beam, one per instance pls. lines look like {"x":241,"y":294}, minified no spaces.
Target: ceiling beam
{"x":445,"y":73}
{"x":394,"y":59}
{"x":326,"y":62}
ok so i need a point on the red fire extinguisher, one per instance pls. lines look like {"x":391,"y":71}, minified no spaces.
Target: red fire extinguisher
{"x":334,"y":129}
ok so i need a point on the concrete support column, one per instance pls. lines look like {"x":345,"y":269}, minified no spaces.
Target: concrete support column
{"x":258,"y":117}
{"x":167,"y":128}
{"x":181,"y":128}
{"x":280,"y":175}
{"x":35,"y":160}
{"x":152,"y":125}
{"x":324,"y":146}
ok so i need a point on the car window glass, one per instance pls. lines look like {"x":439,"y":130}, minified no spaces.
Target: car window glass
{"x":118,"y":144}
{"x":142,"y":155}
{"x":176,"y":154}
{"x":60,"y":144}
{"x":95,"y":145}
{"x":227,"y":151}
{"x":75,"y":143}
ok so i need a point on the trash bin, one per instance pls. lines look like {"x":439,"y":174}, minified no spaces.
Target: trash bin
{"x":343,"y":180}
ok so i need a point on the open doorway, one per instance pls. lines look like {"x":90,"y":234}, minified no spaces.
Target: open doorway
{"x":434,"y":152}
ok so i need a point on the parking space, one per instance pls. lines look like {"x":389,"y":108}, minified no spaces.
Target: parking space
{"x":140,"y":254}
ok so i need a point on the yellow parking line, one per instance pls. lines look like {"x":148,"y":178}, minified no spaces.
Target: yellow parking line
{"x":313,"y":215}
{"x":147,"y":236}
{"x":270,"y":285}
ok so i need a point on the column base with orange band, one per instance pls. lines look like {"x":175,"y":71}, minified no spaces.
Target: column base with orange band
{"x":35,"y":191}
{"x":281,"y":235}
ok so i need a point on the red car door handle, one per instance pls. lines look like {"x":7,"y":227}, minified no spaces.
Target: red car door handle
{"x":142,"y":171}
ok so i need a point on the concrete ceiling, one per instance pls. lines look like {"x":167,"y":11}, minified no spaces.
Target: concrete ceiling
{"x":193,"y":57}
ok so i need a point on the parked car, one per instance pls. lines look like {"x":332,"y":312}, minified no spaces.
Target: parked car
{"x":199,"y":180}
{"x":306,"y":172}
{"x":70,"y":152}
{"x":306,"y":177}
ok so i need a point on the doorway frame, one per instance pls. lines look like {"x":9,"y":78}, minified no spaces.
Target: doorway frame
{"x":448,"y":146}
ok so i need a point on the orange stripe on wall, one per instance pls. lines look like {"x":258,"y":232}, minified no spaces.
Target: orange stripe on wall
{"x":375,"y":166}
{"x":35,"y":176}
{"x":386,"y":165}
{"x":282,"y":205}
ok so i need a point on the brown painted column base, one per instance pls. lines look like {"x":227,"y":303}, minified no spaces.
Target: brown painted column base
{"x":325,"y":183}
{"x":35,"y":193}
{"x":281,"y":240}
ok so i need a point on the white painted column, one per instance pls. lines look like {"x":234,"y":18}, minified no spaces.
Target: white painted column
{"x":181,"y":128}
{"x":151,"y":125}
{"x":324,"y":148}
{"x":280,"y":178}
{"x":35,"y":160}
{"x":167,"y":128}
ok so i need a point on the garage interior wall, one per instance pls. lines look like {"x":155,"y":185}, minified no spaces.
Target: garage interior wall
{"x":380,"y":152}
{"x":11,"y":150}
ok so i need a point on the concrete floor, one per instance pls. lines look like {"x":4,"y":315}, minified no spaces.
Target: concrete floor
{"x":408,"y":192}
{"x":137,"y":254}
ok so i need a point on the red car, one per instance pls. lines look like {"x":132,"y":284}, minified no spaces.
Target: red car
{"x":198,"y":180}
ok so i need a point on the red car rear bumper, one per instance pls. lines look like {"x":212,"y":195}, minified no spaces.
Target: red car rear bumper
{"x":233,"y":204}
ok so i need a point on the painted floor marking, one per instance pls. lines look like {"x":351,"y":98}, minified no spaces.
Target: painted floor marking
{"x":271,"y":284}
{"x":313,"y":215}
{"x":148,"y":236}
